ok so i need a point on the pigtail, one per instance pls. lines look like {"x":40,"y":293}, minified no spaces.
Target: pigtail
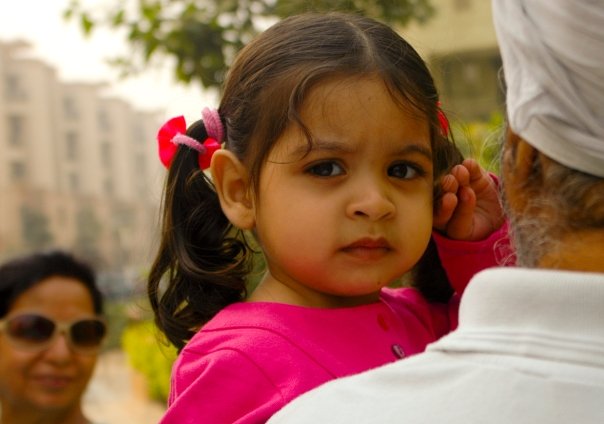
{"x":202,"y":262}
{"x":430,"y":277}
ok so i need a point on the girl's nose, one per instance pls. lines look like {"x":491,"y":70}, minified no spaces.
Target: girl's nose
{"x":371,"y":202}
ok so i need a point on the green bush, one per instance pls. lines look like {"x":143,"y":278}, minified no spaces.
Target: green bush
{"x":115,"y":312}
{"x":150,"y":357}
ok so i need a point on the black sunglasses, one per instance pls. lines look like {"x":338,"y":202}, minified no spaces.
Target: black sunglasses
{"x":37,"y":332}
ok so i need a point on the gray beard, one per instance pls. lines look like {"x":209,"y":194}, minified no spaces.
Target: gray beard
{"x":530,"y":234}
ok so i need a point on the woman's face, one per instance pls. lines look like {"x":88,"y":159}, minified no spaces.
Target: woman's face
{"x":56,"y":377}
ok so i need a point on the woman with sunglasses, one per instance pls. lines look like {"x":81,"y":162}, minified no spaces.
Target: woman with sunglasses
{"x":50,"y":334}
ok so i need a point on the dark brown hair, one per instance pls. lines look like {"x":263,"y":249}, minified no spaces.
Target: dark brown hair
{"x":22,"y":273}
{"x":203,"y":260}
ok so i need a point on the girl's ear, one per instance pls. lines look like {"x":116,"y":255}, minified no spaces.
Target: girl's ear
{"x":232,"y":184}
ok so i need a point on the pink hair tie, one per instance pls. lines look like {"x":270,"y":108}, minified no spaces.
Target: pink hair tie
{"x":172,"y":134}
{"x":213,"y":124}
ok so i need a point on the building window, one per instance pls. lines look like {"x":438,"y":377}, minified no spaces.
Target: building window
{"x":466,"y":76}
{"x":72,"y":145}
{"x":103,"y":121}
{"x":108,"y":186}
{"x":14,"y":88}
{"x":472,"y":77}
{"x":16,"y":130}
{"x":74,"y":183}
{"x":70,"y":108}
{"x":106,"y":154}
{"x":469,"y":83}
{"x":18,"y":172}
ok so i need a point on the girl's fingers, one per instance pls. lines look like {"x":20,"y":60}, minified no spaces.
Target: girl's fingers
{"x":449,"y":184}
{"x":444,"y":211}
{"x":461,"y":174}
{"x":461,"y":224}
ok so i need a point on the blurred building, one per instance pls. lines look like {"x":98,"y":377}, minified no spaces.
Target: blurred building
{"x":78,"y":169}
{"x":460,"y":47}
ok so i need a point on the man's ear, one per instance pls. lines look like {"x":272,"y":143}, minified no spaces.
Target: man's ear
{"x":232,"y":184}
{"x":519,"y":160}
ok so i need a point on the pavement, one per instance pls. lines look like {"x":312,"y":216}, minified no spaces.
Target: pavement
{"x":116,"y":394}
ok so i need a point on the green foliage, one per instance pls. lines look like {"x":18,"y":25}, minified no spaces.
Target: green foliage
{"x":149,"y":357}
{"x":115,"y":312}
{"x":203,"y":35}
{"x":481,"y":140}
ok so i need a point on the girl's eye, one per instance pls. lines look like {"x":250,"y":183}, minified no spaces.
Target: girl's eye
{"x":403,"y":171}
{"x":326,"y":169}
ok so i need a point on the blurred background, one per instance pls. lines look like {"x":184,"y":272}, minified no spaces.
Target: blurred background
{"x":84,"y":86}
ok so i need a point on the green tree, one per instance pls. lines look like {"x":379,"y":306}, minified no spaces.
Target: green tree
{"x":204,"y":35}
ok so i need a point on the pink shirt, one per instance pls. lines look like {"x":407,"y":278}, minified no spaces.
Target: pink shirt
{"x":253,"y":358}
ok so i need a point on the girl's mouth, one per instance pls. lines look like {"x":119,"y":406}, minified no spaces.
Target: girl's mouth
{"x":368,"y":249}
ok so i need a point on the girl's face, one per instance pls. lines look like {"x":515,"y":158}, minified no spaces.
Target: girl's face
{"x":54,"y":378}
{"x":354,"y":214}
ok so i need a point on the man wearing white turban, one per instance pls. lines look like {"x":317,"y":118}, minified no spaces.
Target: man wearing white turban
{"x":530,"y":343}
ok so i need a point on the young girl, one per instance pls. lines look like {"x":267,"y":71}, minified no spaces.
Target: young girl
{"x":333,"y":154}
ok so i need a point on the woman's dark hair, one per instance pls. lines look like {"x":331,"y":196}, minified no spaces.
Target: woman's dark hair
{"x":205,"y":261}
{"x":20,"y":274}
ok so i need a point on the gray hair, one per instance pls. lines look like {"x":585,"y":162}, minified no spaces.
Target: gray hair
{"x":561,"y":201}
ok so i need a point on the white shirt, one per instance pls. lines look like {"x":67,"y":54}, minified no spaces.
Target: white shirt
{"x":529,"y":349}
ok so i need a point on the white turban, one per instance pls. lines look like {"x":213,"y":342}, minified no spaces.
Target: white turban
{"x":553,"y":61}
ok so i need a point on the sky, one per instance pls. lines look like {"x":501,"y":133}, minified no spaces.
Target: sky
{"x":76,"y":58}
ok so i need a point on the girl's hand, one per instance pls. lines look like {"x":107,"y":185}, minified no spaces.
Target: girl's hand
{"x":470,"y":208}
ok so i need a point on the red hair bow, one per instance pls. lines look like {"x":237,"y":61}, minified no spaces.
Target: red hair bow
{"x":173,"y":133}
{"x":442,"y":119}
